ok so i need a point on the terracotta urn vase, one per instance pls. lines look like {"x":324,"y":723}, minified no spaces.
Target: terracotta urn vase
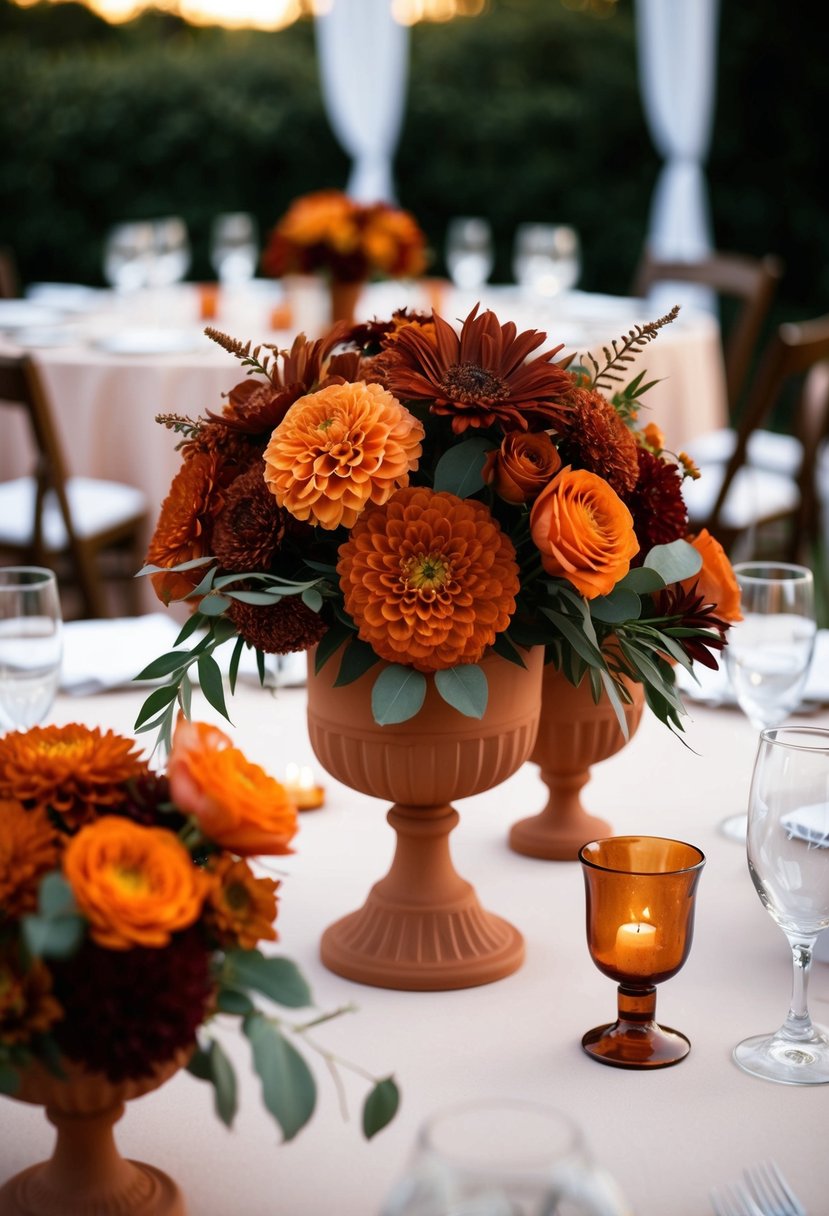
{"x":86,"y":1175}
{"x":574,"y":733}
{"x":422,"y":926}
{"x":344,"y":297}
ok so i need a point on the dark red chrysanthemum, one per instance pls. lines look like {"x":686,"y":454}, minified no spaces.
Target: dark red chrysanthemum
{"x":249,"y":531}
{"x":481,"y":376}
{"x":283,"y":628}
{"x":594,"y":437}
{"x":656,"y":504}
{"x":125,"y":1011}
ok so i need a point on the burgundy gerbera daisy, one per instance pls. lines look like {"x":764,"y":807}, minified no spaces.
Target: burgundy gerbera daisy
{"x":481,"y":376}
{"x":656,"y":504}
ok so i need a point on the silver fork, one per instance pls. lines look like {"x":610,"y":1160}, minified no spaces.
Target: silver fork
{"x":771,"y":1192}
{"x":734,"y":1201}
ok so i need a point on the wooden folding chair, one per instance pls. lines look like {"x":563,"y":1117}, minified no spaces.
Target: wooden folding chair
{"x":9,"y":281}
{"x":50,"y":519}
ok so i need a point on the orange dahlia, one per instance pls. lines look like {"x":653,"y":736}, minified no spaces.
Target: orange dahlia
{"x":28,"y":850}
{"x":429,"y":579}
{"x":75,"y":771}
{"x":242,"y":907}
{"x":596,"y":438}
{"x":339,"y":449}
{"x":182,"y":529}
{"x":481,"y":376}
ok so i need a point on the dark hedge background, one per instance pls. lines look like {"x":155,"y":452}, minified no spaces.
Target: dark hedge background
{"x":531,"y":111}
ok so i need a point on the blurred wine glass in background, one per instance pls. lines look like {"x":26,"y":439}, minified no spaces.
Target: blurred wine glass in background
{"x":546,"y":258}
{"x":171,"y":251}
{"x":470,"y":253}
{"x":129,"y":250}
{"x":31,"y":645}
{"x":234,"y":247}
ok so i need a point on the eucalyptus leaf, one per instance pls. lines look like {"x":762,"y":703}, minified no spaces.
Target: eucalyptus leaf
{"x":224,"y":1084}
{"x":464,"y":688}
{"x":674,"y":562}
{"x":214,"y":605}
{"x":620,"y":605}
{"x":288,"y":1088}
{"x":380,"y":1107}
{"x":54,"y":896}
{"x":398,"y":694}
{"x":277,"y":978}
{"x":52,"y":937}
{"x":193,"y":564}
{"x":642,"y":580}
{"x":312,"y":599}
{"x":260,"y":599}
{"x":228,"y":1000}
{"x":460,"y":468}
{"x":199,"y":1064}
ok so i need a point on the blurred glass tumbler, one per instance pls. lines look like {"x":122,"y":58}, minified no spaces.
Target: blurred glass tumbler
{"x":640,"y":894}
{"x":502,"y":1157}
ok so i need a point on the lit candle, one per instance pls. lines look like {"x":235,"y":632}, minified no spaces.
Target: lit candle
{"x":634,"y":948}
{"x":302,"y":788}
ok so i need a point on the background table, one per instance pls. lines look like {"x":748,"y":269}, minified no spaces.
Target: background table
{"x":667,"y":1136}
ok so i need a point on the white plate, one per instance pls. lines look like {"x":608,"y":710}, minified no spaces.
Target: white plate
{"x":71,"y":297}
{"x":25,"y":314}
{"x":32,"y":339}
{"x":150,"y":341}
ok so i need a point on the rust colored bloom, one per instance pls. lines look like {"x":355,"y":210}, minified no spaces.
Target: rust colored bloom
{"x":429,"y":579}
{"x":75,"y":771}
{"x":594,"y":437}
{"x":183,"y":527}
{"x":519,"y":470}
{"x":653,"y":437}
{"x":28,"y":850}
{"x":236,"y":803}
{"x":249,"y":529}
{"x":689,"y":612}
{"x":481,"y":376}
{"x":340,"y":449}
{"x":715,"y":582}
{"x":657,"y":506}
{"x":135,"y":885}
{"x":584,"y":532}
{"x":27,"y":1006}
{"x":242,"y":907}
{"x":280,"y":628}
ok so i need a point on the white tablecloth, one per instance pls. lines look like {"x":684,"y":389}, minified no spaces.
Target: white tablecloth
{"x":667,"y":1136}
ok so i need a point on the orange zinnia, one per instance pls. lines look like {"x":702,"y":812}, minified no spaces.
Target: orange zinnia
{"x":75,"y":771}
{"x":340,"y":449}
{"x":242,"y":907}
{"x":180,"y":534}
{"x":135,"y":885}
{"x":236,"y":803}
{"x":584,"y":532}
{"x":28,"y":850}
{"x":429,"y":579}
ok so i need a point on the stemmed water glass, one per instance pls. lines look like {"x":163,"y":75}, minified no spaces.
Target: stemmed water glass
{"x":788,"y":858}
{"x":129,"y":250}
{"x":546,"y":258}
{"x":470,"y":254}
{"x":234,"y":247}
{"x":769,"y":651}
{"x":31,"y":645}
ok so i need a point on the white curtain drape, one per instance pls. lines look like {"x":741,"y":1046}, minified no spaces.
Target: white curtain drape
{"x":363,"y":62}
{"x":677,"y":47}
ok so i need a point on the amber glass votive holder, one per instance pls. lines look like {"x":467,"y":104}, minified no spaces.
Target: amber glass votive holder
{"x":640,"y":894}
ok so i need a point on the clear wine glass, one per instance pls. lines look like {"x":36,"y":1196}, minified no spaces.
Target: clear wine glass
{"x":546,"y":258}
{"x":234,"y":247}
{"x":128,"y":255}
{"x":769,"y":651}
{"x":31,"y":645}
{"x":470,"y":254}
{"x":171,"y":248}
{"x":787,"y":847}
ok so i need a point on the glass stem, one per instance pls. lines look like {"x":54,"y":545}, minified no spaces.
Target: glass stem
{"x":798,"y":1024}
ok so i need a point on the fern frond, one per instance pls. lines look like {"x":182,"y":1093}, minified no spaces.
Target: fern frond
{"x":624,"y":351}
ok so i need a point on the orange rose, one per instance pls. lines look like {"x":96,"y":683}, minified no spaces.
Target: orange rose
{"x":584,"y":532}
{"x":135,"y":885}
{"x":236,"y":803}
{"x":715,"y":581}
{"x":520,"y":469}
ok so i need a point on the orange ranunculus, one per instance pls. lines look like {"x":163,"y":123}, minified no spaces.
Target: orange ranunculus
{"x":242,"y":907}
{"x":715,"y":581}
{"x":236,"y":803}
{"x":519,"y":470}
{"x":135,"y":885}
{"x":429,"y":579}
{"x":339,"y":449}
{"x":28,"y":850}
{"x":584,"y":532}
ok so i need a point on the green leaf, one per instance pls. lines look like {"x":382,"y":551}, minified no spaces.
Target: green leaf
{"x":9,"y":1079}
{"x":503,"y":646}
{"x":641,"y":580}
{"x":277,"y":978}
{"x":199,"y":1064}
{"x":380,"y":1107}
{"x":574,"y":634}
{"x":398,"y":694}
{"x":194,"y":622}
{"x":204,"y":585}
{"x":464,"y":688}
{"x":210,"y":678}
{"x":616,"y":701}
{"x":358,"y":658}
{"x":193,"y":564}
{"x":54,"y":897}
{"x":288,"y":1088}
{"x":155,"y":702}
{"x":674,"y":562}
{"x":620,"y":605}
{"x":224,"y":1084}
{"x":330,"y":643}
{"x":233,"y":669}
{"x":460,"y":468}
{"x":214,"y":605}
{"x":312,"y":599}
{"x":260,"y":667}
{"x":52,"y":937}
{"x":185,"y":694}
{"x":262,"y":598}
{"x":228,"y":1000}
{"x":164,"y":665}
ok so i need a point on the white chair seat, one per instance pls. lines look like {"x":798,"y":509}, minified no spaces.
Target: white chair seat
{"x":95,"y":506}
{"x":766,"y":450}
{"x":755,"y":493}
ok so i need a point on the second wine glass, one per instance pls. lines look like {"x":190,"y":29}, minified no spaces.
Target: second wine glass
{"x":769,"y":651}
{"x":31,"y":645}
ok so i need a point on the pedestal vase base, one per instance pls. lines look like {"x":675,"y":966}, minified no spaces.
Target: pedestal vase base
{"x":634,"y":1045}
{"x":552,"y":838}
{"x":143,"y":1191}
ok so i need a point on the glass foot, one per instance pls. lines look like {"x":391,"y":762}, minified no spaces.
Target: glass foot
{"x":735,"y":827}
{"x":788,"y":1061}
{"x":625,"y":1044}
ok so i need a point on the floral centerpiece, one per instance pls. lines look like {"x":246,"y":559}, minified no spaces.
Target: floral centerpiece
{"x":328,"y":231}
{"x":131,"y":917}
{"x":408,"y":492}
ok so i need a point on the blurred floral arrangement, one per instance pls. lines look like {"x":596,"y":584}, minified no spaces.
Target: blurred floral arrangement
{"x":404,"y":491}
{"x":352,"y":242}
{"x":130,"y":916}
